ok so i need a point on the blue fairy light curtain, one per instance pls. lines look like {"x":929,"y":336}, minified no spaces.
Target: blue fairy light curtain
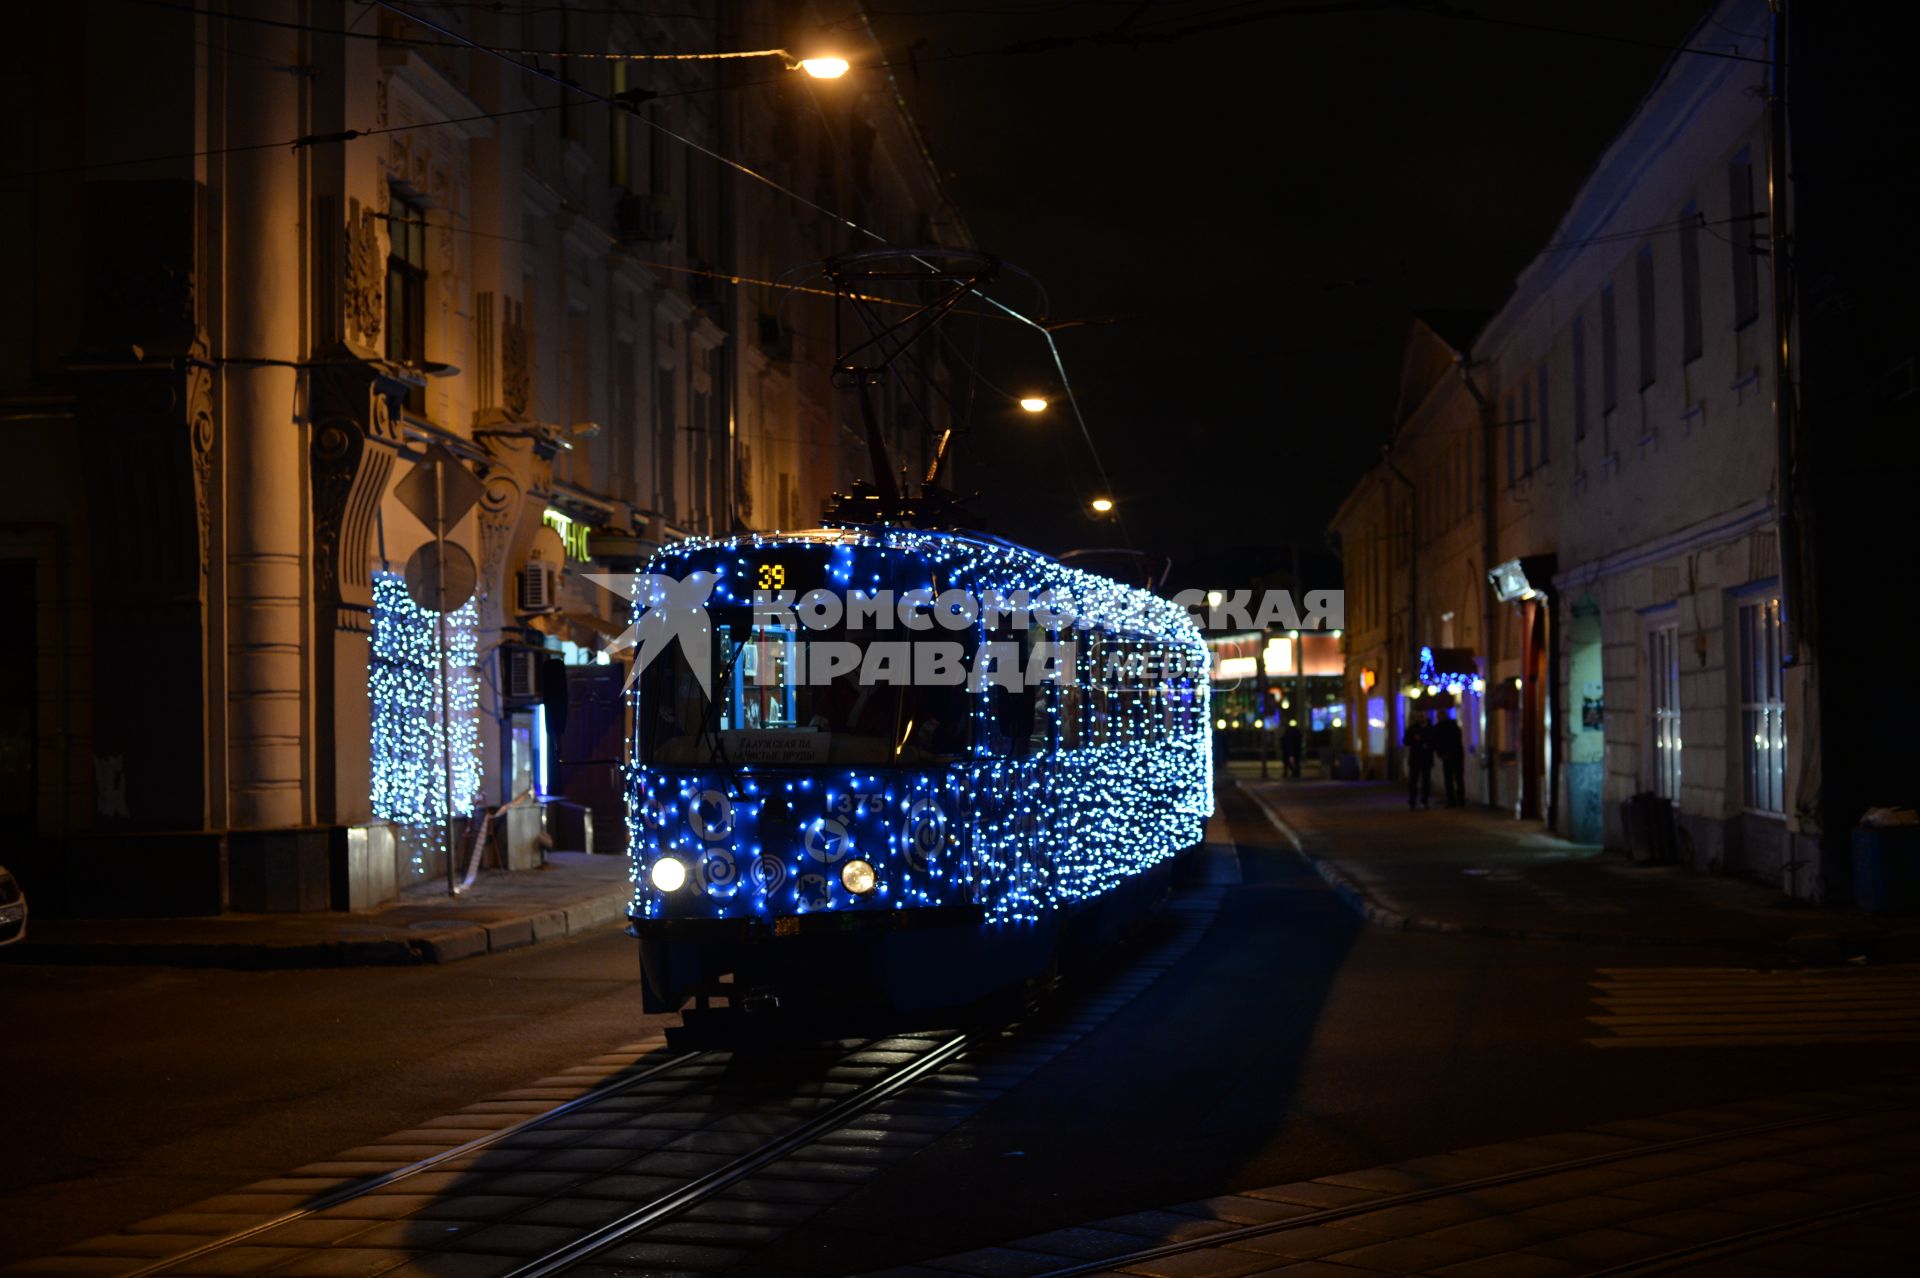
{"x":408,"y":774}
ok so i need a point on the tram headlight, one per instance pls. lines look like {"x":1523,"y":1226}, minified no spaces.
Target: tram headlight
{"x":669,"y":874}
{"x":858,"y":877}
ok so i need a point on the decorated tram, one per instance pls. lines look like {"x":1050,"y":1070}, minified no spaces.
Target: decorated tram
{"x":887,"y":767}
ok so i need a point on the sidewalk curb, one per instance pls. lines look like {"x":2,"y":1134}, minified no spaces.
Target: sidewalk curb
{"x":418,"y":949}
{"x":1821,"y":948}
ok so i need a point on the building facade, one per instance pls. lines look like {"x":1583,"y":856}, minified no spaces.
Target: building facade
{"x":1583,"y":500}
{"x":275,"y":264}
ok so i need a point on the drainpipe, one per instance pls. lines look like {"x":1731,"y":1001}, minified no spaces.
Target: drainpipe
{"x":1413,"y":557}
{"x":731,"y":312}
{"x":1798,"y":621}
{"x":1489,"y":554}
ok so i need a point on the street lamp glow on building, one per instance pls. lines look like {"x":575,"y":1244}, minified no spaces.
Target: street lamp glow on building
{"x":1034,"y":403}
{"x":1102,"y":505}
{"x":824,"y":68}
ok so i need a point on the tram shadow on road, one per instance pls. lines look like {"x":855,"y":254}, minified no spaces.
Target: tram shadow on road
{"x":1182,"y":1091}
{"x":652,"y":1139}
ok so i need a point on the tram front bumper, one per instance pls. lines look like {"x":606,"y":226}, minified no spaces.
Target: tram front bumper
{"x":902,"y":960}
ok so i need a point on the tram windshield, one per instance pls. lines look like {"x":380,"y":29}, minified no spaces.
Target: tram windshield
{"x":777,"y":703}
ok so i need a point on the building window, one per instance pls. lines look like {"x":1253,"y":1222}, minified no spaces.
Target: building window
{"x":407,"y":288}
{"x":1663,"y":682}
{"x":1690,"y":282}
{"x":1643,"y":298}
{"x":1579,"y":378}
{"x":620,"y":130}
{"x":1609,"y":353}
{"x":1513,"y":441}
{"x":1743,"y":229}
{"x":1524,"y":424}
{"x":1546,"y":420}
{"x":1763,"y":729}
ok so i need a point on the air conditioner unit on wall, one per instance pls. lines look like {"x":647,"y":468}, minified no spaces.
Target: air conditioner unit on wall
{"x":520,"y":672}
{"x":539,"y":586}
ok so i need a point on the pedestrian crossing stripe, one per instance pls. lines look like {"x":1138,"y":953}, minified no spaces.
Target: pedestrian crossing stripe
{"x":1742,"y":1007}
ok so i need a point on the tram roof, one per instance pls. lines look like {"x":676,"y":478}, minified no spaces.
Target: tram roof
{"x":1102,"y":600}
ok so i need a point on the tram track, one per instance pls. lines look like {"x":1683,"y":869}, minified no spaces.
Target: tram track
{"x":1677,"y":1257}
{"x":668,"y":1205}
{"x":656,"y":1208}
{"x":363,"y":1187}
{"x":1737,"y":1244}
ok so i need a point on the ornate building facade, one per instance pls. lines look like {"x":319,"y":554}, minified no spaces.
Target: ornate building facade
{"x":269,"y":261}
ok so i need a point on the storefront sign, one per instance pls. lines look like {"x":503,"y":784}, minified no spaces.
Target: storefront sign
{"x":573,"y":534}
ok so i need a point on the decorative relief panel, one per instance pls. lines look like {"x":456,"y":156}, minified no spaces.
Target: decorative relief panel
{"x":355,"y":433}
{"x":516,"y":359}
{"x":364,"y":277}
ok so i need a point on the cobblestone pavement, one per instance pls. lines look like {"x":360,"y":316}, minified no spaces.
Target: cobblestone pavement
{"x":1806,"y":1184}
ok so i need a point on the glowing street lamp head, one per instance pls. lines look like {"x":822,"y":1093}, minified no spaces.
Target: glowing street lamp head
{"x":824,"y":68}
{"x":1034,"y":403}
{"x":1102,"y":505}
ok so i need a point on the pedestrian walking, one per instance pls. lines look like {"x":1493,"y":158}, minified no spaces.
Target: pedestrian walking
{"x":1418,"y":739}
{"x":1290,"y":750}
{"x":1452,"y":749}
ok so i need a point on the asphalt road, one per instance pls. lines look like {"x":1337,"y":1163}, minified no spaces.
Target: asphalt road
{"x":1292,"y":1041}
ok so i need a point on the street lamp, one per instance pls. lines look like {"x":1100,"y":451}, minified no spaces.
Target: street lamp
{"x":824,"y":68}
{"x":1034,"y":403}
{"x":1102,"y":505}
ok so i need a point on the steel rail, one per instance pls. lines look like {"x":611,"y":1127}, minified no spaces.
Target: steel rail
{"x":698,"y":1190}
{"x":361,"y":1188}
{"x":1734,"y":1244}
{"x":1223,"y":1237}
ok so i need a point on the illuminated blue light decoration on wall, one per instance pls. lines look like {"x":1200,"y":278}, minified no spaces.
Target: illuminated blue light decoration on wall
{"x":1118,"y":778}
{"x":1437,"y":674}
{"x":408,"y":785}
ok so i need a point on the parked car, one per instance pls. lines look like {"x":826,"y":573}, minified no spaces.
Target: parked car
{"x":13,"y":909}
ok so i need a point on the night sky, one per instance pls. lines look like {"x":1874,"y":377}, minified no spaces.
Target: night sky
{"x":1259,"y":208}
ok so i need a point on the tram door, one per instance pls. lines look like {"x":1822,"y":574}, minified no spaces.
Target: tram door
{"x":586,"y":752}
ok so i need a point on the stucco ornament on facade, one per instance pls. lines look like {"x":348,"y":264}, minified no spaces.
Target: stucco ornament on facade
{"x":365,"y":274}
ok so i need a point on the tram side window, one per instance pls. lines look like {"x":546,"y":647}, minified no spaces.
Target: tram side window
{"x":1008,"y":726}
{"x":1040,"y":728}
{"x":1073,"y":701}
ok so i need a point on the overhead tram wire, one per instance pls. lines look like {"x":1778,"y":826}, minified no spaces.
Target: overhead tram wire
{"x":1051,"y":44}
{"x":1053,"y":348}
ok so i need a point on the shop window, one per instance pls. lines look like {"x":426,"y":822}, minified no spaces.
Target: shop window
{"x":1663,"y":682}
{"x":1763,"y":728}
